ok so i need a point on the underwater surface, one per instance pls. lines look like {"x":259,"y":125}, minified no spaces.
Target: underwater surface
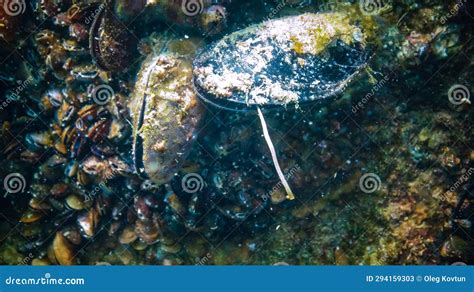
{"x":199,"y":132}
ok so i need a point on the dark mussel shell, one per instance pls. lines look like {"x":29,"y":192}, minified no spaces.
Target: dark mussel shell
{"x":110,"y":43}
{"x":285,"y":61}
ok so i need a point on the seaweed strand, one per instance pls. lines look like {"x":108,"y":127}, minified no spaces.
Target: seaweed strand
{"x":289,"y":192}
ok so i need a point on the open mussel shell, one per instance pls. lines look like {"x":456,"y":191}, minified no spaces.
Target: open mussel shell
{"x":293,"y":60}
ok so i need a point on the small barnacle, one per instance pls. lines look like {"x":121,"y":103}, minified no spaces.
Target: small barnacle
{"x":160,"y":146}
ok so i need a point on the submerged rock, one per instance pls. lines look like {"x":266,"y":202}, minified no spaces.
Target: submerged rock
{"x":290,"y":60}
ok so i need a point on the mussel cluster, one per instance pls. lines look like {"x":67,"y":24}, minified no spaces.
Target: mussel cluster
{"x":69,"y":127}
{"x":82,"y":121}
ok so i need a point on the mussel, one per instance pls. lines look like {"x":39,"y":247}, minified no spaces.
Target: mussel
{"x":165,"y":110}
{"x":110,"y":43}
{"x":284,"y":61}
